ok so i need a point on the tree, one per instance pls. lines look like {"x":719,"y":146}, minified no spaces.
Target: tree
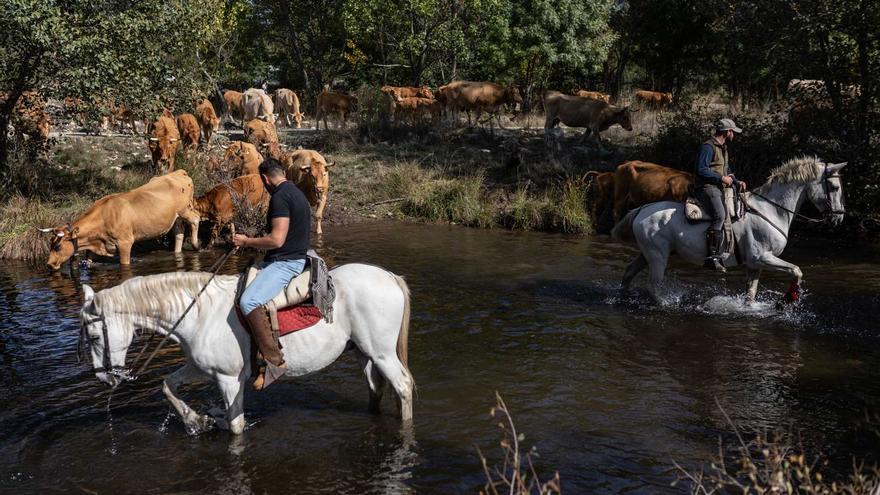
{"x":142,"y":54}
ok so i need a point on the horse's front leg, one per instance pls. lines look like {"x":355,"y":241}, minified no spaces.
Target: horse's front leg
{"x":768,"y":261}
{"x":754,"y":274}
{"x":232,"y":388}
{"x":194,"y":422}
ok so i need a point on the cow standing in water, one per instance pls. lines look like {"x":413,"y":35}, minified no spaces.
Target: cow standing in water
{"x":309,"y":171}
{"x":115,"y":222}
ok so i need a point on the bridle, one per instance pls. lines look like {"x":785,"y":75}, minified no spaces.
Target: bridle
{"x":84,"y":343}
{"x":829,"y":210}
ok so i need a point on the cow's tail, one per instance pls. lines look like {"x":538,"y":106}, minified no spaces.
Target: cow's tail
{"x":623,"y":231}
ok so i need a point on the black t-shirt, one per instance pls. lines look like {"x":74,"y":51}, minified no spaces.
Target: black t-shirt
{"x":288,"y":201}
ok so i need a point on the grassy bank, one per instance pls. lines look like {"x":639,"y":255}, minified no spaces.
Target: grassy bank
{"x":466,"y":177}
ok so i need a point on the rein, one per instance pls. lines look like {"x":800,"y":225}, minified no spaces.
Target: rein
{"x":120,"y":371}
{"x":214,"y":269}
{"x":830,"y":210}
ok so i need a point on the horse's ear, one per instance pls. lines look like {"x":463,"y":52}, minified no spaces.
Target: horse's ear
{"x":88,"y":293}
{"x":833,"y":168}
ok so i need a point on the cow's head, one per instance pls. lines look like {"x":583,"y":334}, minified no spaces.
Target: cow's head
{"x":312,"y":178}
{"x":623,"y":116}
{"x":164,"y":141}
{"x":63,"y":245}
{"x":425,"y":92}
{"x":214,"y":122}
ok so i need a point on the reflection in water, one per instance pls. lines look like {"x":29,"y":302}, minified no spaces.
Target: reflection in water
{"x":608,"y":387}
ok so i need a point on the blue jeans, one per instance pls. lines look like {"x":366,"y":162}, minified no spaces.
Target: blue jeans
{"x":273,"y":277}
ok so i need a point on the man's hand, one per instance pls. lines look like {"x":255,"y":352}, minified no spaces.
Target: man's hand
{"x":239,"y":240}
{"x":727,"y":180}
{"x":742,"y":185}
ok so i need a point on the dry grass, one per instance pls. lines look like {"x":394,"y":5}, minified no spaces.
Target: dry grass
{"x":772,"y":463}
{"x":516,"y":475}
{"x":20,"y":220}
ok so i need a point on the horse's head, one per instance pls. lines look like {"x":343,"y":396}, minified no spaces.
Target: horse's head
{"x":105,"y":336}
{"x":826,"y":192}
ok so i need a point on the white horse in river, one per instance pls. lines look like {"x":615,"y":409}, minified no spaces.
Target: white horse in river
{"x":371,"y":311}
{"x":661,"y":229}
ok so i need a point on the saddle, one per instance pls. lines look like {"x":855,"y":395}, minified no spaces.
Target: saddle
{"x":733,"y":204}
{"x":735,"y":209}
{"x":304,"y":301}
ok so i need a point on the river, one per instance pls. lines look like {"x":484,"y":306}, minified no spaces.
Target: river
{"x":609,"y":388}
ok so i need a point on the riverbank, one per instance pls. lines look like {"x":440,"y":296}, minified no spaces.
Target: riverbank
{"x":471,"y":177}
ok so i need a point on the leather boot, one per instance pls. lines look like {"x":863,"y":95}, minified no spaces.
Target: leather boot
{"x":261,"y":330}
{"x":713,"y":245}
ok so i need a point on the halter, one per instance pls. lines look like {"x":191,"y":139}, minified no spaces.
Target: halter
{"x":84,"y":344}
{"x":829,"y":210}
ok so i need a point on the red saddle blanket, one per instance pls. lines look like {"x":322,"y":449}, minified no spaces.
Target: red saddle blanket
{"x":297,"y":318}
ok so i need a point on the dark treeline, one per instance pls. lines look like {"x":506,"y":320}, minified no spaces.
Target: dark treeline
{"x":153,"y":52}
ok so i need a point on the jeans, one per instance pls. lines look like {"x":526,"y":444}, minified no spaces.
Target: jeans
{"x":273,"y":277}
{"x":712,"y":201}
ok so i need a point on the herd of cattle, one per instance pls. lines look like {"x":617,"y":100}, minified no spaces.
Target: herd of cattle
{"x":113,"y":223}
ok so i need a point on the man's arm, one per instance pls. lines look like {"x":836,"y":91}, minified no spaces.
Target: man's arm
{"x":703,"y":170}
{"x":275,"y":238}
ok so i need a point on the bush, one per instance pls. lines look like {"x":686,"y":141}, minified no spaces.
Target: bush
{"x":458,"y":200}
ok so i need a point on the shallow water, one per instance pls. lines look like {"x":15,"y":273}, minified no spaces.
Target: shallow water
{"x":610,"y":388}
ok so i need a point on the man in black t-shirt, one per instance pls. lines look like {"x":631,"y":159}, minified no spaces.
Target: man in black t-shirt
{"x":289,"y":223}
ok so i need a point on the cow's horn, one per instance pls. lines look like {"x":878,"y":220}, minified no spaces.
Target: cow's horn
{"x":224,"y":147}
{"x":45,"y":231}
{"x":304,"y":167}
{"x":59,"y":234}
{"x":154,"y":139}
{"x":174,"y":140}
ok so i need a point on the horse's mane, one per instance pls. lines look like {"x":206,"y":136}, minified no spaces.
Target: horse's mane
{"x":164,"y":294}
{"x":800,"y":169}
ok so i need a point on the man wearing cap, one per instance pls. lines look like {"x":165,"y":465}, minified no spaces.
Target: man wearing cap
{"x":712,"y":175}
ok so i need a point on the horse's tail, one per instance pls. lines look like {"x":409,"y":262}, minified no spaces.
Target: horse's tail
{"x":623,"y":231}
{"x":403,"y":335}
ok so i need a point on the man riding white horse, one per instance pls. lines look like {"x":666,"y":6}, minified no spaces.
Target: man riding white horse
{"x":713,"y":173}
{"x":289,"y":219}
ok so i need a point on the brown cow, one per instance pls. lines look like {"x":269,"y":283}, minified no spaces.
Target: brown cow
{"x":164,"y":141}
{"x":408,"y":91}
{"x":334,"y":102}
{"x":260,"y":133}
{"x":115,"y":222}
{"x":218,"y":205}
{"x":207,"y":118}
{"x":600,"y":187}
{"x":29,"y":117}
{"x":482,"y":97}
{"x":232,"y":105}
{"x":574,"y":111}
{"x":637,"y":183}
{"x":243,"y":157}
{"x":593,"y":95}
{"x":653,"y":99}
{"x":287,"y":105}
{"x":308,"y":170}
{"x":416,"y":107}
{"x":189,"y":130}
{"x":257,"y":105}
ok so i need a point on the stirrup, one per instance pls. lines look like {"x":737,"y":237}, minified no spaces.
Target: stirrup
{"x":268,"y":375}
{"x":714,"y":263}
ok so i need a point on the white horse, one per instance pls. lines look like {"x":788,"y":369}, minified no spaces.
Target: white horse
{"x":371,"y":311}
{"x":661,"y":229}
